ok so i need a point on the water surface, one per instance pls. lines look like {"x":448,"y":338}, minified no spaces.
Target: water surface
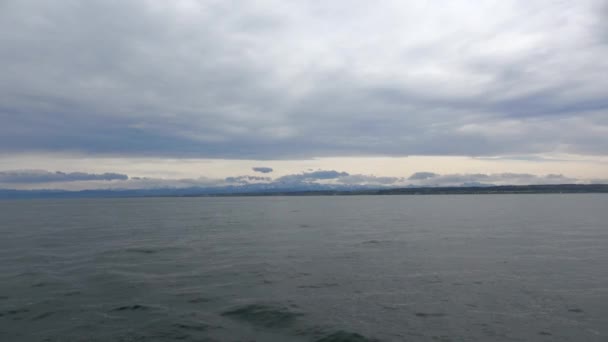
{"x":360,"y":268}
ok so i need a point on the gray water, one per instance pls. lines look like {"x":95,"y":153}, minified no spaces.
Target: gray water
{"x":361,"y":268}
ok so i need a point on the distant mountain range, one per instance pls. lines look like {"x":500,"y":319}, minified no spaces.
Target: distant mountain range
{"x":304,"y":190}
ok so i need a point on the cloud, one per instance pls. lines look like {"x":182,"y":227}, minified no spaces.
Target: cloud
{"x":312,"y":176}
{"x":43,"y":176}
{"x":247,"y":179}
{"x":276,"y":80}
{"x":369,"y":180}
{"x":311,"y":180}
{"x":120,"y":184}
{"x":476,"y":179}
{"x":422,"y":175}
{"x":262,"y":169}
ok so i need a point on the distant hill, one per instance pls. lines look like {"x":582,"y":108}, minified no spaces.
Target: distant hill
{"x":312,"y":190}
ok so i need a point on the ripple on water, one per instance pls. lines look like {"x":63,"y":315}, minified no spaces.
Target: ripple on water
{"x":199,"y":300}
{"x":430,"y":314}
{"x":142,"y":250}
{"x":194,"y":326}
{"x":15,"y":314}
{"x":135,"y":307}
{"x":264,"y":315}
{"x":169,"y":330}
{"x":43,"y":315}
{"x":376,"y":242}
{"x":319,"y":286}
{"x":345,"y":336}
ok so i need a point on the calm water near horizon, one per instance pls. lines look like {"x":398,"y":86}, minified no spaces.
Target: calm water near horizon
{"x":355,"y":268}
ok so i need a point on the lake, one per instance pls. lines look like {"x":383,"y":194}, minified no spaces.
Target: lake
{"x":353,"y":268}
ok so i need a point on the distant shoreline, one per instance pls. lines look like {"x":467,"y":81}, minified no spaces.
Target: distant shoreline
{"x":196,"y":192}
{"x":489,"y":190}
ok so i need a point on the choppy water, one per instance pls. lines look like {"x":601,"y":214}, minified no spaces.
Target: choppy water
{"x":386,"y":268}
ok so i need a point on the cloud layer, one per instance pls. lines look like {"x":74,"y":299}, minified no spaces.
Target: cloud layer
{"x":272,"y":79}
{"x":43,"y":176}
{"x":312,"y":180}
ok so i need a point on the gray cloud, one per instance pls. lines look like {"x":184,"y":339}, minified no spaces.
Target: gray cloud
{"x":43,"y":176}
{"x":422,"y":175}
{"x":121,"y":184}
{"x":312,"y":176}
{"x":262,"y":169}
{"x":221,"y":79}
{"x":41,"y":179}
{"x":369,"y":180}
{"x":247,"y":179}
{"x":423,"y":179}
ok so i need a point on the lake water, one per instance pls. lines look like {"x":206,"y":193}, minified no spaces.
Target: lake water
{"x":359,"y":268}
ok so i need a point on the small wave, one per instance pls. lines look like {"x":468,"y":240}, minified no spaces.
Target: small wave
{"x":430,"y":314}
{"x":319,"y":286}
{"x":167,"y":335}
{"x":199,"y":300}
{"x":192,"y":326}
{"x":169,"y":331}
{"x":376,"y":242}
{"x":43,"y":315}
{"x":264,"y":315}
{"x":15,"y":312}
{"x":345,"y":336}
{"x":135,"y":307}
{"x":142,"y":250}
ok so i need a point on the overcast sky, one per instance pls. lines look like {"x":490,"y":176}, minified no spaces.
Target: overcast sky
{"x":213,"y":89}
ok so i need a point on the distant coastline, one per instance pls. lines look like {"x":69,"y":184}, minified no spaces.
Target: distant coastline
{"x":236,"y":192}
{"x":479,"y":190}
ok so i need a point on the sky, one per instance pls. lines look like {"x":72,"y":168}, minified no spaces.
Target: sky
{"x":150,"y":93}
